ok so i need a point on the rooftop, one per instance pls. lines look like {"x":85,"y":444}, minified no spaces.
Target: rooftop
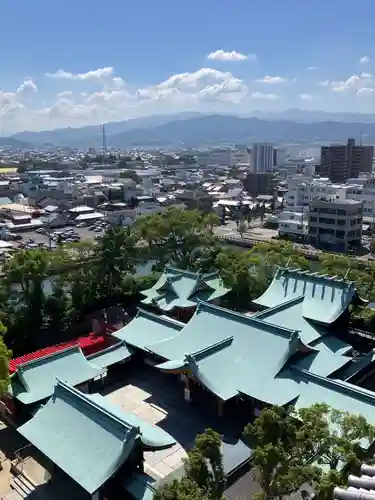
{"x":35,"y":380}
{"x":182,"y":289}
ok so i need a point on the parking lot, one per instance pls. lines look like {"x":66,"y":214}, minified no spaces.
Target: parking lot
{"x":82,"y":233}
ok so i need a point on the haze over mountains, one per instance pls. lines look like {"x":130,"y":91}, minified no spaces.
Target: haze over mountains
{"x":195,"y":129}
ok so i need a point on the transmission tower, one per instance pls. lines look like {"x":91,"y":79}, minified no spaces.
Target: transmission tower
{"x":104,"y":141}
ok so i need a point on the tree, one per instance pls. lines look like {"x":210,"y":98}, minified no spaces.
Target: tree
{"x":178,"y":236}
{"x":117,"y":254}
{"x":279,"y":454}
{"x":204,"y":474}
{"x":5,"y":355}
{"x":318,"y":445}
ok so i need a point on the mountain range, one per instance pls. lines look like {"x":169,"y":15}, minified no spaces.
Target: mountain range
{"x":195,"y":130}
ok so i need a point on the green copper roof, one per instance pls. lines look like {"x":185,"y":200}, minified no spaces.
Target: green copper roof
{"x":215,"y":340}
{"x":112,"y":355}
{"x":332,"y":344}
{"x":323,"y":363}
{"x":336,"y":393}
{"x":88,"y":442}
{"x":324,"y":298}
{"x":147,"y":328}
{"x":180,"y":288}
{"x":289,"y":315}
{"x":152,"y":437}
{"x":34,"y":381}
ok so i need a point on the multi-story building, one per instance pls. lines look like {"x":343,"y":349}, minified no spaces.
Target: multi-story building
{"x":293,"y":223}
{"x":262,"y":158}
{"x":339,"y":162}
{"x":279,"y":156}
{"x":240,"y":157}
{"x":335,"y":224}
{"x":256,"y":183}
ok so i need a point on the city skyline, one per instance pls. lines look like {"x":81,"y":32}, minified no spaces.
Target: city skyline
{"x":69,"y":65}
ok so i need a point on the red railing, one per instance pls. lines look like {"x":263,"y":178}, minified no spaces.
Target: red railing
{"x":90,"y":344}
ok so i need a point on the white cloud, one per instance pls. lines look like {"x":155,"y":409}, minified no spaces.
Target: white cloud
{"x":272,"y":80}
{"x":65,"y":93}
{"x":354,"y":82}
{"x":206,"y":89}
{"x":364,"y":59}
{"x":27,"y":87}
{"x":222,"y":55}
{"x":306,"y":97}
{"x":118,"y":83}
{"x":95,"y":74}
{"x":312,"y":68}
{"x":365,"y":91}
{"x":265,"y":96}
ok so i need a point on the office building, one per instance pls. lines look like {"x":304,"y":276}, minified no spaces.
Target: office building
{"x":257,"y":183}
{"x":262,"y":158}
{"x":336,"y":225}
{"x":339,"y":162}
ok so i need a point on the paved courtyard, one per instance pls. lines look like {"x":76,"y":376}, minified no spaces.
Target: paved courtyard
{"x":132,"y":398}
{"x":158,"y":400}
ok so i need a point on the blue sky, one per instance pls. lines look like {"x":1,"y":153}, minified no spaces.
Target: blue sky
{"x":117,"y":58}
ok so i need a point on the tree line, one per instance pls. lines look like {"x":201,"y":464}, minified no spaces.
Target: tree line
{"x":86,"y":276}
{"x":310,"y":450}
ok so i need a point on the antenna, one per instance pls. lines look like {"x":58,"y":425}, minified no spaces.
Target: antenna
{"x":104,"y":141}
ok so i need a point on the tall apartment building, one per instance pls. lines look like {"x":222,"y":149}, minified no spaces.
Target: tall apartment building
{"x":339,"y":162}
{"x":262,"y":158}
{"x":336,"y":225}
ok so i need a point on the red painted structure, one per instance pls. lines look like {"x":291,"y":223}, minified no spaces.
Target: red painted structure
{"x":90,"y":344}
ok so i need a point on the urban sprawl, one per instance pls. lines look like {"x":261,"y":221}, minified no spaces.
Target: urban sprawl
{"x":187,"y":325}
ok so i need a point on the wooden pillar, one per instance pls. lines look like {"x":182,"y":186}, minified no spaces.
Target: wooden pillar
{"x":187,"y":392}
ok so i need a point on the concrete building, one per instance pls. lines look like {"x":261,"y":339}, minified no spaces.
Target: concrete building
{"x":279,"y":156}
{"x":335,"y":224}
{"x":339,"y":162}
{"x":262,"y":158}
{"x":293,"y":224}
{"x":257,"y":183}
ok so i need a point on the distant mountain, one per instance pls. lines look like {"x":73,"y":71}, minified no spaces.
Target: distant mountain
{"x":11,"y":142}
{"x":219,"y":129}
{"x":191,"y":129}
{"x":92,"y":135}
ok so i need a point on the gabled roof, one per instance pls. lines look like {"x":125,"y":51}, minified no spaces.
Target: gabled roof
{"x":151,"y":436}
{"x":216,"y":339}
{"x":35,"y":380}
{"x":325,"y":298}
{"x":338,"y":394}
{"x":180,"y":288}
{"x":111,"y":355}
{"x":147,"y":328}
{"x":289,"y":315}
{"x":84,"y":439}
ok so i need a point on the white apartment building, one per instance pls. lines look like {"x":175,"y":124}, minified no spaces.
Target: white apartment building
{"x":293,"y":223}
{"x":262,"y":158}
{"x":303,"y":189}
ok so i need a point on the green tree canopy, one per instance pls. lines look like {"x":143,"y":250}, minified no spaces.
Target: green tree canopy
{"x":5,"y":355}
{"x":204,"y":475}
{"x":319,"y":446}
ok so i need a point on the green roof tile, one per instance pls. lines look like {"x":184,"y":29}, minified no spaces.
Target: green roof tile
{"x":152,"y":437}
{"x":112,"y":355}
{"x":216,"y":339}
{"x":324,"y":298}
{"x":147,"y":328}
{"x":88,"y":442}
{"x":34,"y":381}
{"x":180,"y":288}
